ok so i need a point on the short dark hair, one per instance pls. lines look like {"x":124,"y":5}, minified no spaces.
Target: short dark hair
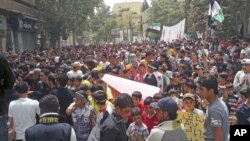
{"x":45,"y":71}
{"x":49,"y":103}
{"x":24,"y":68}
{"x":52,"y":78}
{"x":158,"y":96}
{"x":137,"y":94}
{"x":142,"y":65}
{"x":100,"y":97}
{"x":95,"y":88}
{"x":62,"y":80}
{"x":136,"y":111}
{"x":209,"y":81}
{"x":190,"y":84}
{"x":223,"y":75}
{"x":22,"y":87}
{"x":148,"y":100}
{"x":149,"y":52}
{"x":123,"y":101}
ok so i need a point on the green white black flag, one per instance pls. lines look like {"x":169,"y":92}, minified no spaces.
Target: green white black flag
{"x":215,"y":12}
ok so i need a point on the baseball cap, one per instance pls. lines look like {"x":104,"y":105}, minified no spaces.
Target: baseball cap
{"x":166,"y":104}
{"x":189,"y":95}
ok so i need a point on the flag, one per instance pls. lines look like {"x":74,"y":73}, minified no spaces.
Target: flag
{"x":171,"y":33}
{"x":123,"y":85}
{"x":215,"y":13}
{"x":154,"y":27}
{"x":145,"y":5}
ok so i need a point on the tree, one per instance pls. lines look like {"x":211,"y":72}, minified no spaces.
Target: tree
{"x":237,"y":13}
{"x":62,"y":16}
{"x":167,"y":12}
{"x":102,"y":23}
{"x":170,"y":12}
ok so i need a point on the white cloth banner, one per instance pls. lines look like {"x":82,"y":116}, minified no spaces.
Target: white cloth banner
{"x":128,"y":86}
{"x":170,"y":33}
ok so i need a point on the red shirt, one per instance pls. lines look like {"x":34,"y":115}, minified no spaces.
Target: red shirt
{"x":150,"y":122}
{"x":141,"y":106}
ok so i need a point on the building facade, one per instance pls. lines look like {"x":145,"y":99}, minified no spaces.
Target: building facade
{"x":19,"y":25}
{"x":129,"y":19}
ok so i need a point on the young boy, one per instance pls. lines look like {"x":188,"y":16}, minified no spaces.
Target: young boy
{"x":189,"y":104}
{"x":231,"y":99}
{"x":191,"y":118}
{"x":137,"y":131}
{"x":149,"y":116}
{"x":83,"y":117}
{"x":137,"y":97}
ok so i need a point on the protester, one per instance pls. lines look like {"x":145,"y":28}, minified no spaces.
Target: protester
{"x":83,"y":117}
{"x":49,"y":127}
{"x":174,"y":67}
{"x":216,"y":121}
{"x":149,"y":116}
{"x":114,"y":127}
{"x":243,"y":112}
{"x":22,"y":112}
{"x":137,"y":97}
{"x":137,"y":131}
{"x":64,"y":96}
{"x":7,"y":80}
{"x":167,"y":113}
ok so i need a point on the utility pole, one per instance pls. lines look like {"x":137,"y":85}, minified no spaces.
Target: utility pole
{"x":186,"y":17}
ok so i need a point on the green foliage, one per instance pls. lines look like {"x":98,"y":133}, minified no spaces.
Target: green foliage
{"x":236,"y":13}
{"x":66,"y":15}
{"x":102,"y":23}
{"x":170,"y":12}
{"x":167,"y":12}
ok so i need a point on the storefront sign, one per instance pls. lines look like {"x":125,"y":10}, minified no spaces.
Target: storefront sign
{"x":30,"y":25}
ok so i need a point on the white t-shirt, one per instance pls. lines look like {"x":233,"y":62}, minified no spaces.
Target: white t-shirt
{"x":104,"y":64}
{"x":24,"y":112}
{"x":73,"y":74}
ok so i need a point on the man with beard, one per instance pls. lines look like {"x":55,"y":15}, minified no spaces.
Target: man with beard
{"x":168,"y":128}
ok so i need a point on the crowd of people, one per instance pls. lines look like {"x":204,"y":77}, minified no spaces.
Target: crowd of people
{"x":59,"y":94}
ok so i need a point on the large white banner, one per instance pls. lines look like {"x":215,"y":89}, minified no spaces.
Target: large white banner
{"x":170,"y":33}
{"x":128,"y":86}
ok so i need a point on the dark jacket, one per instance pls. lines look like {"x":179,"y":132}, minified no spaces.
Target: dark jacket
{"x":65,"y":98}
{"x":113,"y":129}
{"x":7,"y":79}
{"x":49,"y":132}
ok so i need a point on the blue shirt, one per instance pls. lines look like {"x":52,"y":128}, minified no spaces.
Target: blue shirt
{"x":216,"y":116}
{"x":243,"y":114}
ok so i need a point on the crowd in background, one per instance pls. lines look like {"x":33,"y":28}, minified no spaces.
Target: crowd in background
{"x":206,"y":78}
